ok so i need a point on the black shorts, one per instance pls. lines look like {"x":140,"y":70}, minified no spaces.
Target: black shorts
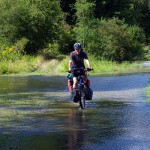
{"x":77,"y":72}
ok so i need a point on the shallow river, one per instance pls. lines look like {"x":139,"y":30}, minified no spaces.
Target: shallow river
{"x":37,"y":114}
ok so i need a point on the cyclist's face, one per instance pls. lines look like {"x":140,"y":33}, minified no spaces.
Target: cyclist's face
{"x":77,"y":51}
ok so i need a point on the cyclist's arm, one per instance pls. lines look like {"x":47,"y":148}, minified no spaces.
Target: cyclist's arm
{"x":88,"y":63}
{"x":70,"y":64}
{"x":70,"y":61}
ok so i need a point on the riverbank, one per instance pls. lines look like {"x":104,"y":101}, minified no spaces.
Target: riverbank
{"x":59,"y":66}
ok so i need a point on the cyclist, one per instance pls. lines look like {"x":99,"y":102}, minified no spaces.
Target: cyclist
{"x":77,"y":61}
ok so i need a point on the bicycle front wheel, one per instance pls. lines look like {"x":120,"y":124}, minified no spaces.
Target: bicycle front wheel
{"x":82,"y":102}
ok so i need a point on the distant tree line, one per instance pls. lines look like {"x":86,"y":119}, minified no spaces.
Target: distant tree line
{"x":109,"y":29}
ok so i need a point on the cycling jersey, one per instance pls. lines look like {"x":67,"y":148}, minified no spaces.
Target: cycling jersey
{"x":78,"y":60}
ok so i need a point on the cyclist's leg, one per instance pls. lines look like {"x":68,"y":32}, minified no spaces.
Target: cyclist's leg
{"x":74,"y":91}
{"x":85,"y":77}
{"x":70,"y":85}
{"x":75,"y":81}
{"x":86,"y":81}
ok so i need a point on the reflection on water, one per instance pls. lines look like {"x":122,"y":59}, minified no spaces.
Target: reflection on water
{"x":111,"y":125}
{"x":36,"y":114}
{"x":31,"y":83}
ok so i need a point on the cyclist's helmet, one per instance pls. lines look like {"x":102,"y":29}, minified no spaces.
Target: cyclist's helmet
{"x":77,"y":46}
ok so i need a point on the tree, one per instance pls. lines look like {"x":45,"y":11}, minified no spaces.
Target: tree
{"x":67,"y":6}
{"x":84,"y":14}
{"x":107,"y":38}
{"x":40,"y":21}
{"x":146,"y":19}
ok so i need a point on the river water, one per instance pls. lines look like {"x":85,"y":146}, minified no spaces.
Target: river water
{"x":37,"y":114}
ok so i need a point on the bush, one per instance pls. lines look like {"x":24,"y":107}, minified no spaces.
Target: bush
{"x":26,"y":64}
{"x":9,"y":53}
{"x":39,"y":21}
{"x":13,"y":53}
{"x":114,"y":40}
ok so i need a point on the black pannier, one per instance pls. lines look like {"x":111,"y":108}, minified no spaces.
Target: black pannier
{"x":75,"y":97}
{"x":88,"y":93}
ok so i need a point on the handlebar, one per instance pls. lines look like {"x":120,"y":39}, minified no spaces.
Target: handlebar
{"x":85,"y":69}
{"x":71,"y":72}
{"x":89,"y":69}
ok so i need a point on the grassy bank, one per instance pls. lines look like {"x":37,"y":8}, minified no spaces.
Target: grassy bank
{"x":59,"y":65}
{"x":104,"y":66}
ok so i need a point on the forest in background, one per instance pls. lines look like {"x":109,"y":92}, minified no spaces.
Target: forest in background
{"x":107,"y":29}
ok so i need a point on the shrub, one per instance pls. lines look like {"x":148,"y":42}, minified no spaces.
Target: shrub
{"x":114,"y":40}
{"x":39,"y":21}
{"x":13,"y":53}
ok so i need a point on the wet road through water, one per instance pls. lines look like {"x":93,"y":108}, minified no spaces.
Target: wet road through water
{"x":36,"y":114}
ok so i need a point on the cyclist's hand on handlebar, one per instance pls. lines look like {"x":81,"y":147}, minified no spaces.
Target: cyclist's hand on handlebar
{"x":89,"y":69}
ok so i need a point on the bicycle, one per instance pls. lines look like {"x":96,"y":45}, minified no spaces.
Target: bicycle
{"x":81,"y":86}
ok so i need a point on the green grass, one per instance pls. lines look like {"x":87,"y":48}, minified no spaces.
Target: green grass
{"x":103,"y":66}
{"x":25,"y":65}
{"x":148,"y":91}
{"x":34,"y":65}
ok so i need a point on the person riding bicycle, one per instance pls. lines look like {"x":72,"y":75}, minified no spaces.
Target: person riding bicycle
{"x":77,"y":61}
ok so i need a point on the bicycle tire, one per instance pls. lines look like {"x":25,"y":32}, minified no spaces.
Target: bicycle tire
{"x":82,"y":102}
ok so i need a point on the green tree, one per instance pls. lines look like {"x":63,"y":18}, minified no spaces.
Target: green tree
{"x":133,"y":12}
{"x":145,"y":23}
{"x":107,"y":38}
{"x":40,"y":21}
{"x":68,"y":7}
{"x":84,"y":14}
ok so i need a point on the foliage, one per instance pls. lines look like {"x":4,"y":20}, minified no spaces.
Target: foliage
{"x":67,"y":7}
{"x":9,"y":53}
{"x":84,"y":13}
{"x":135,"y":12}
{"x":118,"y":41}
{"x":62,"y":46}
{"x":111,"y":39}
{"x":14,"y":52}
{"x":103,"y":66}
{"x":145,"y":23}
{"x":39,"y":21}
{"x":132,"y":11}
{"x":147,"y":91}
{"x":114,"y":30}
{"x":66,"y":41}
{"x":26,"y":64}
